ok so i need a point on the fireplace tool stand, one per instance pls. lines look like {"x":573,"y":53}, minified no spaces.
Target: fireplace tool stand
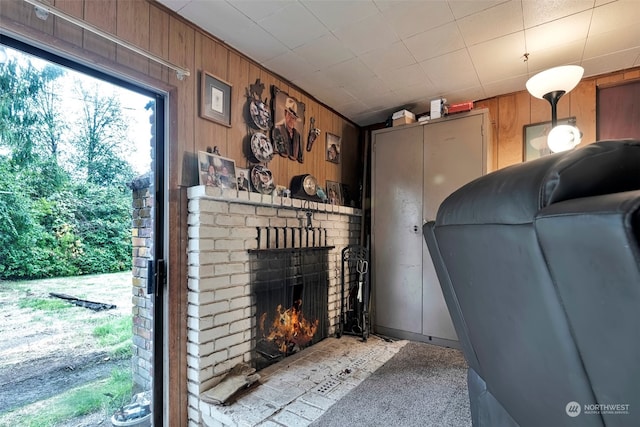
{"x":354,"y":292}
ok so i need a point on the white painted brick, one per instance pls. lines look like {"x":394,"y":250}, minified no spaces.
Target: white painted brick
{"x":213,"y":283}
{"x":213,"y":206}
{"x":226,"y":365}
{"x":193,"y":349}
{"x":230,"y":293}
{"x":240,"y":302}
{"x":286,"y":213}
{"x":217,"y":419}
{"x":194,"y":415}
{"x":267,"y":199}
{"x":256,"y":222}
{"x":207,"y":309}
{"x":215,"y":358}
{"x":255,"y":197}
{"x":240,"y":349}
{"x":232,"y":245}
{"x":243,"y":232}
{"x":228,"y":268}
{"x":266,"y":211}
{"x":240,"y":325}
{"x":228,"y":341}
{"x":251,"y":244}
{"x":193,"y":374}
{"x":231,"y":316}
{"x":239,"y":256}
{"x":193,"y":361}
{"x":294,"y":222}
{"x":230,"y":220}
{"x":200,"y":271}
{"x":200,"y":298}
{"x":277,"y":222}
{"x":296,"y":203}
{"x":210,"y":335}
{"x":241,"y":279}
{"x":242,"y":209}
{"x":200,"y":245}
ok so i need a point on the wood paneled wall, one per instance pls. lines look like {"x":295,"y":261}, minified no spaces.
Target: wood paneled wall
{"x":153,"y":27}
{"x":511,"y":112}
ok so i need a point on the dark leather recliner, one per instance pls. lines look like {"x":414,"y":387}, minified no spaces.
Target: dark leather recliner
{"x":539,"y":264}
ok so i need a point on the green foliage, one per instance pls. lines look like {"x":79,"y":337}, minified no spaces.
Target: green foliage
{"x":44,"y":304}
{"x":107,"y":395}
{"x":56,"y":221}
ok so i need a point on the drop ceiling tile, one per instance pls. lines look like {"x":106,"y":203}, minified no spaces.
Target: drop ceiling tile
{"x":608,"y":63}
{"x":349,"y":71}
{"x":613,"y":41}
{"x":405,"y":76}
{"x":435,"y":42}
{"x":289,"y":64}
{"x":259,"y":9}
{"x":408,"y":18}
{"x":363,"y":88}
{"x":618,"y":14}
{"x":293,"y":25}
{"x":324,"y":51}
{"x":366,"y":35}
{"x":414,"y":94}
{"x":566,"y":54}
{"x":339,"y":13}
{"x":558,"y":32}
{"x":317,"y":79}
{"x":219,"y":18}
{"x":499,"y":59}
{"x":335,"y":96}
{"x":468,"y":94}
{"x":388,"y":58}
{"x":450,"y":72}
{"x":500,"y":20}
{"x":462,"y":8}
{"x":256,"y":43}
{"x":510,"y":85}
{"x":540,"y":12}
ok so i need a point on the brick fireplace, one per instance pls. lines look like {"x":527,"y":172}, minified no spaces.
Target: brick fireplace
{"x":231,"y":234}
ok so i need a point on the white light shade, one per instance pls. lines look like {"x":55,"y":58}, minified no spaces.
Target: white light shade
{"x":563,"y":78}
{"x":563,"y":138}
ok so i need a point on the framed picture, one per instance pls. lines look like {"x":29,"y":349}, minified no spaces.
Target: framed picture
{"x":215,"y":99}
{"x":535,"y":138}
{"x":216,"y":171}
{"x":334,"y":193}
{"x":288,"y":117}
{"x":333,"y":148}
{"x":242,"y":179}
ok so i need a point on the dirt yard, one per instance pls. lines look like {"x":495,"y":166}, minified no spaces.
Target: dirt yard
{"x":47,"y":344}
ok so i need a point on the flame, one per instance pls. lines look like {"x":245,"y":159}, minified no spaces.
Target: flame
{"x":289,"y":328}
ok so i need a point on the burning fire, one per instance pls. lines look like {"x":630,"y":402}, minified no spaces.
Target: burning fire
{"x":289,"y":328}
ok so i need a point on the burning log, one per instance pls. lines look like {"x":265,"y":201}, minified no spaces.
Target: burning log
{"x":289,"y":330}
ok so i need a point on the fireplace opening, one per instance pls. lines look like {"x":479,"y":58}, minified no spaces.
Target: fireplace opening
{"x":290,"y":287}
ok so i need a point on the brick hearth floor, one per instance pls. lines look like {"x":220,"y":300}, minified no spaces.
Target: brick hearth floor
{"x":299,"y":389}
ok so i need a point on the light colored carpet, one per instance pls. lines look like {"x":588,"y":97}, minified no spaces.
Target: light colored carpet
{"x":423,"y":385}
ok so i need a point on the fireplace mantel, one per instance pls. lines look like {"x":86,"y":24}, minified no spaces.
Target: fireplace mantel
{"x":223,"y":229}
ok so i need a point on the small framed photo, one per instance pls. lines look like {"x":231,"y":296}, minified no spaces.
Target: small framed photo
{"x":242,"y":179}
{"x":333,"y":148}
{"x":334,"y":193}
{"x":216,"y":171}
{"x":535,"y":138}
{"x":215,"y":99}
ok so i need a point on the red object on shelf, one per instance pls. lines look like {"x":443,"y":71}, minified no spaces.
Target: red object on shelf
{"x":461,"y":107}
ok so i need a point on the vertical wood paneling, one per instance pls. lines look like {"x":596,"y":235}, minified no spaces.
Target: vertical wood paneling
{"x":132,"y":25}
{"x":238,"y":133}
{"x":102,"y":14}
{"x":159,"y":42}
{"x":583,"y":107}
{"x":513,"y":114}
{"x":65,"y":30}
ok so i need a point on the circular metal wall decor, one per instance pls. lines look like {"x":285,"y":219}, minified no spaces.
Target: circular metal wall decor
{"x":260,"y":114}
{"x":262,"y":179}
{"x":261,"y":147}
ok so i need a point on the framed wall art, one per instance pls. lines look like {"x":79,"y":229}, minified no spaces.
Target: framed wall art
{"x":333,"y":148}
{"x":242,"y":179}
{"x":215,"y":99}
{"x":216,"y":171}
{"x":288,"y":117}
{"x":535,"y":138}
{"x":334,"y":193}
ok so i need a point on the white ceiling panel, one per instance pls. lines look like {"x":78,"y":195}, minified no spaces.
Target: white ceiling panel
{"x":500,"y":20}
{"x":435,"y":42}
{"x":409,"y":18}
{"x":366,"y":35}
{"x":362,"y":54}
{"x":293,"y":25}
{"x":539,"y":12}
